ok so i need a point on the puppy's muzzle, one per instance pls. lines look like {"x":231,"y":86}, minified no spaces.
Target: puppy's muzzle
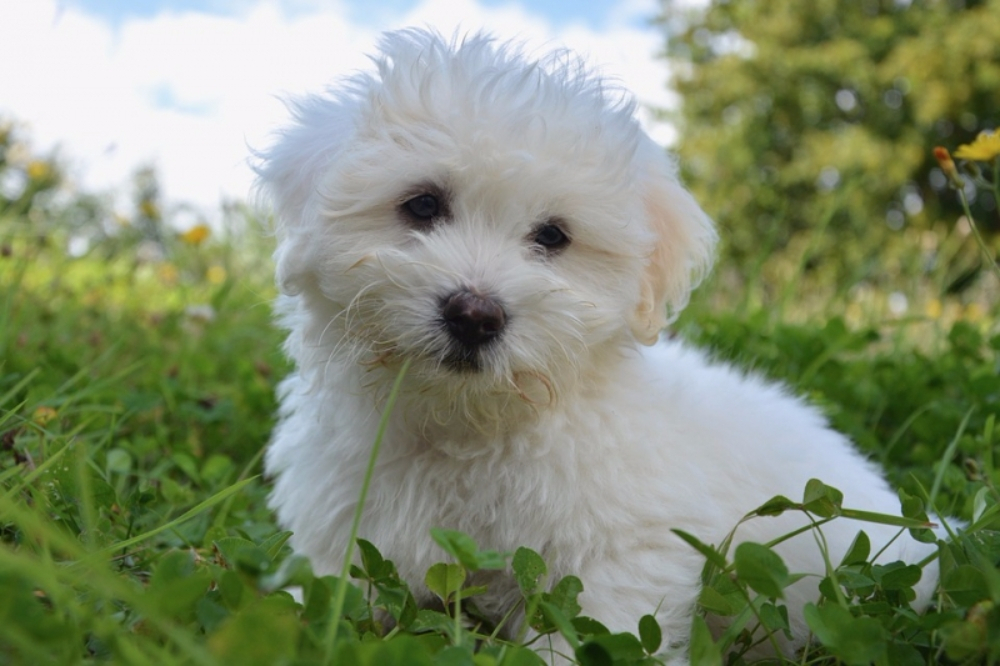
{"x":472,"y":319}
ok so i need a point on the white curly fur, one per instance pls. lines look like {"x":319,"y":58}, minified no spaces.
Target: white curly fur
{"x":571,"y":437}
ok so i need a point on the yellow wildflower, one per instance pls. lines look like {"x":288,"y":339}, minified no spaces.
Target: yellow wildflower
{"x":43,"y":415}
{"x":854,"y":312}
{"x":985,"y":148}
{"x":974,"y":312}
{"x":38,"y":170}
{"x":215,"y":274}
{"x":934,"y":309}
{"x":196,"y":235}
{"x":149,"y":209}
{"x":169,"y":273}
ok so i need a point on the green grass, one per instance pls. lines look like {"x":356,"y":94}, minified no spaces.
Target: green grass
{"x":136,"y":400}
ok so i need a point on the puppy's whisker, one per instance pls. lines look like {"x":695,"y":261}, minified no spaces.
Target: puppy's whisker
{"x":350,"y":335}
{"x":330,"y":323}
{"x":439,"y":269}
{"x":560,"y":342}
{"x":378,"y":360}
{"x":387,"y":273}
{"x":333,"y":354}
{"x":353,"y":309}
{"x":394,"y":281}
{"x":363,"y":260}
{"x":545,"y":381}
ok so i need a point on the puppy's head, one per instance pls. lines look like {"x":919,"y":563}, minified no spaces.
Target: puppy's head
{"x":499,"y":220}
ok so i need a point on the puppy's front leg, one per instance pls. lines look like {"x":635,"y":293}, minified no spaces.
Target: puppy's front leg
{"x":619,"y":591}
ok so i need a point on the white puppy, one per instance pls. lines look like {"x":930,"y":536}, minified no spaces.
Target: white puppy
{"x":505,"y":225}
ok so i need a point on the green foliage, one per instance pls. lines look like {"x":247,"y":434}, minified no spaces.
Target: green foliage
{"x":862,"y":615}
{"x":134,"y":400}
{"x":134,"y":530}
{"x":820,"y":117}
{"x":136,"y":396}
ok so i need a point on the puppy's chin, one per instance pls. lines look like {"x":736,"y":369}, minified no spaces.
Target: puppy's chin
{"x":464,"y":391}
{"x":463,"y":361}
{"x":484,"y":376}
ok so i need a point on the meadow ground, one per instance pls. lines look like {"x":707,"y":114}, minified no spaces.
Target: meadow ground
{"x":136,"y":397}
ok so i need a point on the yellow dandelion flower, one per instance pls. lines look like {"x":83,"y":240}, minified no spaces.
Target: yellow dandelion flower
{"x":43,"y":415}
{"x":38,"y":170}
{"x":196,"y":235}
{"x":215,"y":274}
{"x":933,"y":308}
{"x":985,"y":148}
{"x":169,"y":274}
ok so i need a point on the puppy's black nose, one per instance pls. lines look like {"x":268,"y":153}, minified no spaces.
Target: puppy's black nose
{"x":472,"y":319}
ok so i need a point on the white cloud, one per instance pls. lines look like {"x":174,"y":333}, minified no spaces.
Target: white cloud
{"x":188,"y":91}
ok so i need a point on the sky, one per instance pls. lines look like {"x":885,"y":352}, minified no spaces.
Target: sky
{"x":190,"y":86}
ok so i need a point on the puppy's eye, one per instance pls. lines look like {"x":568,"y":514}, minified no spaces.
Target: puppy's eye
{"x":423,"y":207}
{"x":551,"y":238}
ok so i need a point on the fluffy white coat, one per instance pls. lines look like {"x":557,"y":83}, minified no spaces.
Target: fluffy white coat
{"x":567,"y":433}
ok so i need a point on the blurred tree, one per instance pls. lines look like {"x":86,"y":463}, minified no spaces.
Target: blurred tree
{"x":27,"y":181}
{"x":149,"y":208}
{"x":39,"y":202}
{"x":822,"y":115}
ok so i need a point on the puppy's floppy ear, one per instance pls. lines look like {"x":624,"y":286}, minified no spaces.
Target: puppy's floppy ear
{"x":683,"y":245}
{"x":289,"y":176}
